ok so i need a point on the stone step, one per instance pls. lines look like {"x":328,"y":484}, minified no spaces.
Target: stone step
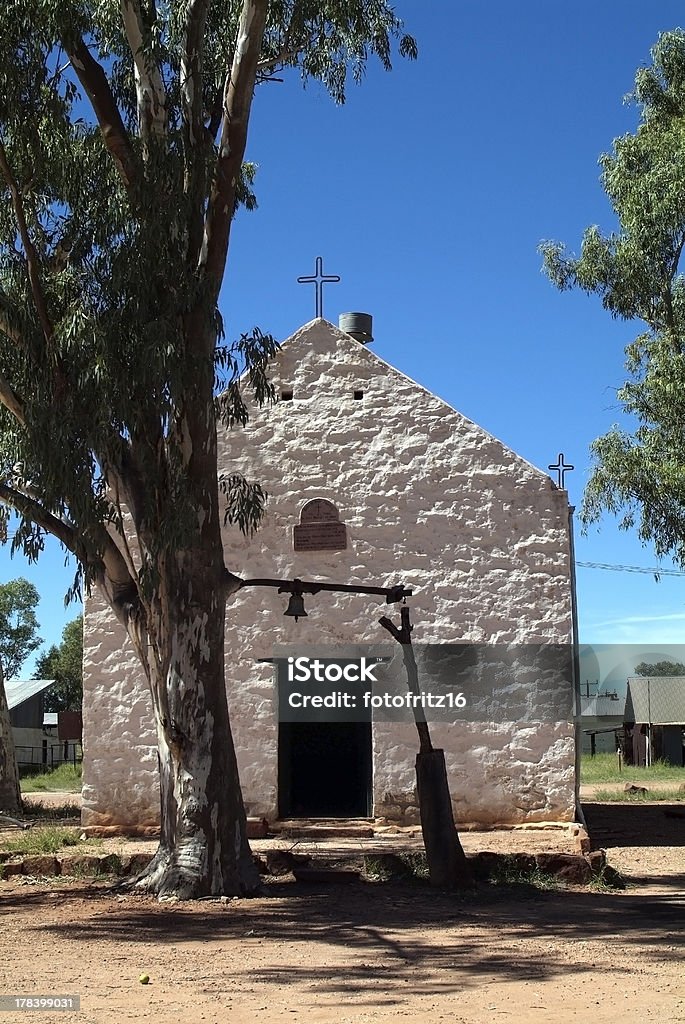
{"x":323,"y":828}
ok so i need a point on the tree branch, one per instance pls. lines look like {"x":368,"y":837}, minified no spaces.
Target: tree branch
{"x":238,"y":93}
{"x":11,"y":401}
{"x":277,"y":63}
{"x":215,"y":115}
{"x":287,"y":54}
{"x":29,"y":248}
{"x":94,"y":80}
{"x":194,"y":139}
{"x":191,"y":69}
{"x":117,"y":581}
{"x":9,"y":330}
{"x":403,"y":637}
{"x":34,"y":511}
{"x":149,"y":84}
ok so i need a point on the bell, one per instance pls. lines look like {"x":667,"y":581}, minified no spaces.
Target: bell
{"x":296,"y":607}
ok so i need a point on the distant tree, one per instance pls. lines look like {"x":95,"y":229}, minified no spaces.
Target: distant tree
{"x":18,"y":639}
{"x":639,"y":471}
{"x":660,"y":668}
{"x":64,"y":664}
{"x":18,"y":624}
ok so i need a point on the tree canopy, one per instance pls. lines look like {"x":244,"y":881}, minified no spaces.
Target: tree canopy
{"x":119,"y":188}
{"x":64,"y":664}
{"x":639,"y":465}
{"x":660,"y":668}
{"x":18,"y":624}
{"x":123,"y":132}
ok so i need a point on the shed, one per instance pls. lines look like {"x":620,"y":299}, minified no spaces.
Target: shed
{"x":655,"y":713}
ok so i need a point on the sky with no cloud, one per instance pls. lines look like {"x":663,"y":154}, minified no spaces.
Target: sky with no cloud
{"x":429,"y":192}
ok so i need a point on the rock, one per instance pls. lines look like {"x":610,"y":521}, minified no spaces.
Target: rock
{"x":134,"y":863}
{"x":261,"y":864}
{"x":566,"y":866}
{"x":411,"y":816}
{"x":612,"y":878}
{"x":630,"y":788}
{"x":392,"y":812}
{"x":80,"y":865}
{"x":12,"y":868}
{"x":582,"y":841}
{"x":484,"y":864}
{"x":280,"y":862}
{"x":257,"y":828}
{"x":597,"y":860}
{"x":115,"y":831}
{"x":386,"y":865}
{"x":41,"y":865}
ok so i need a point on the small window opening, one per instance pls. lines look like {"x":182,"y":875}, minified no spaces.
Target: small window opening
{"x":358,"y":395}
{"x":286,"y":396}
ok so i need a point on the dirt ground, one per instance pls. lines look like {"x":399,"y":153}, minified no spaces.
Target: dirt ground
{"x":360,"y":952}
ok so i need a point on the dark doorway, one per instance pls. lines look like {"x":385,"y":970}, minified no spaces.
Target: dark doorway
{"x":324,"y":769}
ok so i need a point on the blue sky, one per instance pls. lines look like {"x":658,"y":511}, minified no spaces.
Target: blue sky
{"x":428,"y":193}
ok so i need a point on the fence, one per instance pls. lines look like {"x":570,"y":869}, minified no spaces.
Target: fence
{"x":48,"y":756}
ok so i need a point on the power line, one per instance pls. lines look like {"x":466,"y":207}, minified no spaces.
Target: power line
{"x":644,"y":570}
{"x":632,"y":568}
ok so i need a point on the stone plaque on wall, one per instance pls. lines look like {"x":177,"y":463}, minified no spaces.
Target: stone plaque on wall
{"x":320,"y":528}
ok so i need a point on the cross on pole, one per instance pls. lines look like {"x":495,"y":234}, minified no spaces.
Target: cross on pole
{"x":319,"y":279}
{"x":561,"y":470}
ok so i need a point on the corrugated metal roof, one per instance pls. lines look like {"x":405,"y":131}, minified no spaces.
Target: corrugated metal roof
{"x":19,"y":690}
{"x":659,"y":700}
{"x":602,"y":706}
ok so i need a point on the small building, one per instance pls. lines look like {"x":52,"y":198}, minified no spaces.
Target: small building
{"x":655,"y":719}
{"x":25,"y":700}
{"x":64,"y":729}
{"x":601,"y":723}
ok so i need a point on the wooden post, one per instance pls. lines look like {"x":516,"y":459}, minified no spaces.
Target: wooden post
{"x":447,"y":864}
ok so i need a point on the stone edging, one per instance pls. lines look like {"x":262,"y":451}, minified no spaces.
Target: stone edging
{"x":573,"y":868}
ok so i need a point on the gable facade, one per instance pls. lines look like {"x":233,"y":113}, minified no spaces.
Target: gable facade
{"x":422,"y":496}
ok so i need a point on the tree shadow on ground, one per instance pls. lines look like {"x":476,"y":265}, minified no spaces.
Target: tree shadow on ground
{"x":635,"y":824}
{"x":422,"y":936}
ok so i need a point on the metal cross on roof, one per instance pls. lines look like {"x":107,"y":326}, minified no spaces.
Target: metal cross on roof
{"x":561,"y":469}
{"x":319,"y":279}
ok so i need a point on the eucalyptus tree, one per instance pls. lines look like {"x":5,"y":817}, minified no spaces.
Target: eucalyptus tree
{"x":63,"y":662}
{"x":18,"y":624}
{"x":639,"y":467}
{"x":123,"y":127}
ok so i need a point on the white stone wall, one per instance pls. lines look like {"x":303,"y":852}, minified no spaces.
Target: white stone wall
{"x":429,"y":499}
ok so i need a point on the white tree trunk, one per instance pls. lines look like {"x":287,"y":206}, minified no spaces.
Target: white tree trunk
{"x":203,"y":845}
{"x":10,"y":794}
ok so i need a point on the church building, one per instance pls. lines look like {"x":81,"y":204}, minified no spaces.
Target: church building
{"x":371,"y":480}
